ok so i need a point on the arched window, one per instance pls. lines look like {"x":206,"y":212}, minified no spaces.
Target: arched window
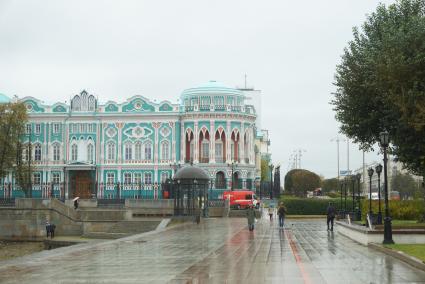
{"x":189,"y":146}
{"x":111,"y":151}
{"x":128,"y":151}
{"x":204,"y":147}
{"x":148,"y":178}
{"x":220,"y":181}
{"x":83,"y":101}
{"x":220,"y":149}
{"x":138,"y":151}
{"x":92,"y":103}
{"x":235,"y":146}
{"x":37,"y":152}
{"x":76,"y":103}
{"x":246,"y":148}
{"x":164,"y":177}
{"x":127,"y":178}
{"x":90,"y":152}
{"x":165,"y":150}
{"x":56,"y":152}
{"x":74,"y":152}
{"x":148,"y":151}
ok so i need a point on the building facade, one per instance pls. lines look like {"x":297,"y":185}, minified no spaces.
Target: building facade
{"x":136,"y":145}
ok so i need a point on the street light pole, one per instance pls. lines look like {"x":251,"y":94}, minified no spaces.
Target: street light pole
{"x":388,"y":234}
{"x":378,"y":169}
{"x":359,"y":212}
{"x":353,"y":182}
{"x":370,"y":174}
{"x":271,"y":181}
{"x":345,"y":195}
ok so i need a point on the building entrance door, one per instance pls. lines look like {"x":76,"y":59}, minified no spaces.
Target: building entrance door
{"x":82,"y":184}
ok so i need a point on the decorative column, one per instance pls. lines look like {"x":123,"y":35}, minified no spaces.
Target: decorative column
{"x":156,"y":126}
{"x":182,"y":143}
{"x":196,"y":144}
{"x":212,"y":142}
{"x":173,"y":142}
{"x":228,"y":143}
{"x":242,"y":144}
{"x":119,"y":146}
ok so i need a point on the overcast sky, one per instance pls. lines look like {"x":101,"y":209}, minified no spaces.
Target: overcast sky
{"x":116,"y":49}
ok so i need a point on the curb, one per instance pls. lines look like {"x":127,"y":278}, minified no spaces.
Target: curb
{"x":413,"y":261}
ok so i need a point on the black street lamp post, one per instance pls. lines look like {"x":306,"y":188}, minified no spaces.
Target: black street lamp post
{"x":359,"y":212}
{"x":388,"y":234}
{"x":271,"y":181}
{"x":353,"y":181}
{"x":340,"y":202}
{"x":370,"y":174}
{"x":345,"y":195}
{"x":378,"y":169}
{"x":233,"y":164}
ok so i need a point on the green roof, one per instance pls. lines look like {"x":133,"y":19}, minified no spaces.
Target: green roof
{"x":4,"y":99}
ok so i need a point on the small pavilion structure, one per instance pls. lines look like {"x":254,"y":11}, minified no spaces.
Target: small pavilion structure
{"x":190,"y":191}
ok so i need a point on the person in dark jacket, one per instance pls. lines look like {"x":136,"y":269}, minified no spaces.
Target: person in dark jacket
{"x":281,"y":212}
{"x":250,"y":215}
{"x":330,"y":212}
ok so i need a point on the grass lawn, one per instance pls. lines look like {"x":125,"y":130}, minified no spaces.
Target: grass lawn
{"x":410,"y":223}
{"x":416,"y":250}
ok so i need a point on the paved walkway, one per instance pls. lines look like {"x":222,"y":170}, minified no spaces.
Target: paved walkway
{"x":216,"y":251}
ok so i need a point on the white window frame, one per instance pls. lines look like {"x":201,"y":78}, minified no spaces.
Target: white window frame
{"x":205,"y":149}
{"x":128,"y":151}
{"x":148,"y":151}
{"x":127,"y":178}
{"x":56,"y":152}
{"x":56,"y":128}
{"x":36,"y":178}
{"x":138,"y":151}
{"x":56,"y":178}
{"x":147,"y":177}
{"x":37,"y":152}
{"x":165,"y":150}
{"x":74,"y":152}
{"x":28,"y":128}
{"x":37,"y":128}
{"x":137,"y":178}
{"x":110,"y":178}
{"x":111,"y":150}
{"x":90,"y":153}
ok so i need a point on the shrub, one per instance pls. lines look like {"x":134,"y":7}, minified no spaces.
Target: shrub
{"x":399,"y":209}
{"x":312,"y":206}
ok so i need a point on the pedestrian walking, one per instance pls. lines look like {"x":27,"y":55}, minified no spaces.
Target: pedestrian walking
{"x":271,"y":212}
{"x":48,"y":228}
{"x":250,"y":215}
{"x":330,"y":213}
{"x":76,"y":204}
{"x":52,"y":230}
{"x":281,"y":212}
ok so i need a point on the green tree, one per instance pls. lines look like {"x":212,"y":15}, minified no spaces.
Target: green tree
{"x":265,"y":176}
{"x":405,"y":185}
{"x":381,"y":82}
{"x":299,"y":181}
{"x":13,"y":117}
{"x":330,"y":185}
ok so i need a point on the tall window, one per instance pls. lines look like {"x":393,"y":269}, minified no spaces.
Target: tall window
{"x":37,"y":128}
{"x":128,"y":152}
{"x":37,"y":152}
{"x":148,"y":151}
{"x":111,"y":151}
{"x":205,"y":151}
{"x":92,"y":103}
{"x":56,"y":128}
{"x":218,"y":151}
{"x":138,"y":151}
{"x":127,"y":178}
{"x":74,"y":152}
{"x":56,"y":152}
{"x":165,"y":150}
{"x":110,"y":178}
{"x":164,"y":177}
{"x":55,"y":177}
{"x":148,"y":178}
{"x":90,"y":150}
{"x":25,"y":155}
{"x":28,"y":129}
{"x":220,"y":181}
{"x":137,"y":178}
{"x":36,"y":178}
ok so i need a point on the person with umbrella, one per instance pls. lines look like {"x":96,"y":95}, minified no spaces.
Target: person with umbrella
{"x":76,"y":202}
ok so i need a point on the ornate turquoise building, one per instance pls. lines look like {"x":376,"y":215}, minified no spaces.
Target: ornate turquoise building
{"x":131,"y":148}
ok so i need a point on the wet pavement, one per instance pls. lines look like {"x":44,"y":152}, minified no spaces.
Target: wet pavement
{"x":216,"y":251}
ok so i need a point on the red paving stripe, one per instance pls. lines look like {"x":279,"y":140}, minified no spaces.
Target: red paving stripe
{"x":298,"y":259}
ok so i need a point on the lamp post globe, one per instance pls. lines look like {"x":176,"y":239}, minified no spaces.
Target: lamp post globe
{"x":378,"y":169}
{"x":388,"y":235}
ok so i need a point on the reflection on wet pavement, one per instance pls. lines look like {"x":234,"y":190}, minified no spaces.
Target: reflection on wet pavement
{"x":216,"y":251}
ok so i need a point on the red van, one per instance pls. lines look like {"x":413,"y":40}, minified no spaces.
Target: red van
{"x":242,"y":199}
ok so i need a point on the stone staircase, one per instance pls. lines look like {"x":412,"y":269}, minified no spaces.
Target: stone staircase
{"x":115,"y":230}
